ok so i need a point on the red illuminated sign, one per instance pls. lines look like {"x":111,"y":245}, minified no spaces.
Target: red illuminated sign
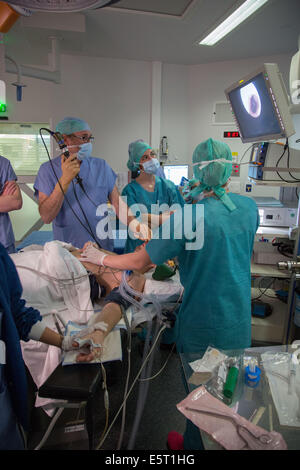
{"x":231,"y":134}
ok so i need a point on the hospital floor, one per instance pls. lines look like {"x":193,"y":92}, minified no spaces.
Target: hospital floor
{"x":160,"y":414}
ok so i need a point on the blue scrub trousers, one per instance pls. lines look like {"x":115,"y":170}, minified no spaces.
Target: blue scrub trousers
{"x":11,"y":248}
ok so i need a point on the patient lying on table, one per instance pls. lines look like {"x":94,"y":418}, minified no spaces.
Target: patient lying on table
{"x":105,"y":284}
{"x":55,"y":281}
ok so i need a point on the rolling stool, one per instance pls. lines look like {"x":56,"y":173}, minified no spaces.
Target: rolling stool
{"x":76,"y":384}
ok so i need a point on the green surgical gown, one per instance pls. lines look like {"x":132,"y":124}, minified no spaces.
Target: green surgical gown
{"x":216,"y":306}
{"x":165,"y":192}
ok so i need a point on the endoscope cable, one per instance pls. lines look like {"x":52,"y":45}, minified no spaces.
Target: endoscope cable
{"x":65,"y":196}
{"x":129,"y":345}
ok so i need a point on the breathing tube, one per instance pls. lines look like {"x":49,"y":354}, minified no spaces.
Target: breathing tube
{"x":129,"y":293}
{"x":125,"y":290}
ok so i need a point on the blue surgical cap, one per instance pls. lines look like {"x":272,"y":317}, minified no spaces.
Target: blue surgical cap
{"x":215,"y":174}
{"x":136,"y":150}
{"x":69,"y":125}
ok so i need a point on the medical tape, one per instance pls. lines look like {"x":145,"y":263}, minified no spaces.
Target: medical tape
{"x":79,"y":337}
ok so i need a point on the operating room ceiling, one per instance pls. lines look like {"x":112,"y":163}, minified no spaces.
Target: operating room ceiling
{"x":157,"y":30}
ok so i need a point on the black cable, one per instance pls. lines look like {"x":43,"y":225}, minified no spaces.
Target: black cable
{"x":286,"y":147}
{"x":84,"y":215}
{"x":65,"y":196}
{"x":251,"y":146}
{"x":260,"y":288}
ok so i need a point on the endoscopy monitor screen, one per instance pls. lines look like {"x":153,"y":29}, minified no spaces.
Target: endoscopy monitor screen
{"x":254,"y":109}
{"x":176,"y":172}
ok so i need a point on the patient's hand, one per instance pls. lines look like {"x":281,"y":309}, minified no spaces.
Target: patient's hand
{"x":95,"y":353}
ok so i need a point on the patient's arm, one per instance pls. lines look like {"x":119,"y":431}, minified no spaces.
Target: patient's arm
{"x":111,"y":278}
{"x":111,"y":313}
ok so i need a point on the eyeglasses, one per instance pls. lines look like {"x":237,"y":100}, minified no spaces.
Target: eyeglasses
{"x":84,"y":139}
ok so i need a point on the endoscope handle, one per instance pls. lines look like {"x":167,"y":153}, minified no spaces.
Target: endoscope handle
{"x":61,"y":143}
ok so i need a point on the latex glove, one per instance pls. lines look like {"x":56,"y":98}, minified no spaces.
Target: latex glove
{"x":140,"y":230}
{"x":91,"y":254}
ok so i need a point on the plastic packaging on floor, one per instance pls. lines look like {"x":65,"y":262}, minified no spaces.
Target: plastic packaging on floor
{"x":230,"y":430}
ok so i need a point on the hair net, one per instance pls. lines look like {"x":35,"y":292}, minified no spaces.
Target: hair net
{"x":212,"y":161}
{"x":69,"y":125}
{"x":136,"y":150}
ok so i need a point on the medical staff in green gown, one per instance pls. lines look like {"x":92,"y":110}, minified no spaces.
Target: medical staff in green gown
{"x":214,"y":253}
{"x":148,"y":191}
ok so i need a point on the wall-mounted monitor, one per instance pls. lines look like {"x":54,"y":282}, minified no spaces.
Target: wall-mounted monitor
{"x":176,"y":172}
{"x":260,"y":105}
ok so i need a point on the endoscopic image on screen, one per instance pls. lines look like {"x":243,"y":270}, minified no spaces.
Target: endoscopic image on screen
{"x":254,"y":109}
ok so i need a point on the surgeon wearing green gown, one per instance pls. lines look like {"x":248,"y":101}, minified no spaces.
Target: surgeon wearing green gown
{"x":216,"y":305}
{"x":148,"y":191}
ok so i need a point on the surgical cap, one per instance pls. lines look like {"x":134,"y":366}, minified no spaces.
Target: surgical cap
{"x":136,"y":150}
{"x":69,"y":125}
{"x":214,"y":175}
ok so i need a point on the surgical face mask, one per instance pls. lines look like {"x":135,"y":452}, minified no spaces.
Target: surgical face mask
{"x":151,"y":166}
{"x":85,"y":151}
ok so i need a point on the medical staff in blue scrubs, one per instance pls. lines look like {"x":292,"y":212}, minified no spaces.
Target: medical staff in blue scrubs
{"x":10,"y":200}
{"x":148,"y":190}
{"x":216,"y":305}
{"x":60,"y":196}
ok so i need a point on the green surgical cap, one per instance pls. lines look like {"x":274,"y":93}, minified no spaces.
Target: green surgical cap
{"x":136,"y":150}
{"x":69,"y":125}
{"x":214,"y":175}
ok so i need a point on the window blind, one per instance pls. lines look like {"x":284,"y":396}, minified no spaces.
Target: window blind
{"x":22,"y":145}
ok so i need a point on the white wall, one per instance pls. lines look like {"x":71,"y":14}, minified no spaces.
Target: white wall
{"x":113,"y":96}
{"x":175,"y":111}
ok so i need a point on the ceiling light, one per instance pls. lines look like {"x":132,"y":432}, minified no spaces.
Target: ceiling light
{"x":61,"y":6}
{"x":237,"y":17}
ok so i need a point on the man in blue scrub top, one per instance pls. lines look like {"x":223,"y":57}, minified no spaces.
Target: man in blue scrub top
{"x":216,"y":305}
{"x":98,"y":180}
{"x":10,"y":200}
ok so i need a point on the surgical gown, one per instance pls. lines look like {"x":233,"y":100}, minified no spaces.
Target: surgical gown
{"x":216,"y":306}
{"x":6,"y":231}
{"x":165,"y":192}
{"x":98,"y":180}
